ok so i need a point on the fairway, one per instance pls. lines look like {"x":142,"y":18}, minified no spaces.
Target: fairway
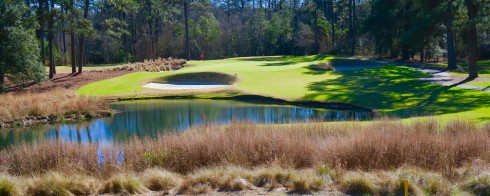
{"x":391,"y":90}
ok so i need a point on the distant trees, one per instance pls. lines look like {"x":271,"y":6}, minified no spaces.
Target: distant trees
{"x":19,"y":50}
{"x":133,"y":30}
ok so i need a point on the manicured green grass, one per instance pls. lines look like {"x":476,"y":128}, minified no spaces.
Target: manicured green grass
{"x":392,"y":90}
{"x":483,"y":68}
{"x":480,"y":84}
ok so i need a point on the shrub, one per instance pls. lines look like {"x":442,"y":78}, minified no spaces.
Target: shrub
{"x":8,"y":188}
{"x":57,"y":184}
{"x":308,"y":182}
{"x":326,"y":172}
{"x":359,"y":185}
{"x":157,"y":180}
{"x":326,"y":66}
{"x":122,"y":184}
{"x":479,"y":185}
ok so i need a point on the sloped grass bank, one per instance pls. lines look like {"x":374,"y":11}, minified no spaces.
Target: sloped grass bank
{"x":206,"y":77}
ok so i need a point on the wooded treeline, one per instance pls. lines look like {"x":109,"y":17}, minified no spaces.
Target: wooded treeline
{"x":77,"y":32}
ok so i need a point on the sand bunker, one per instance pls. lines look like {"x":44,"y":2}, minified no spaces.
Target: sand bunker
{"x":185,"y":85}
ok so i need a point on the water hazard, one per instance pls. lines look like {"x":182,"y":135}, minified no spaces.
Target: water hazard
{"x":150,"y":118}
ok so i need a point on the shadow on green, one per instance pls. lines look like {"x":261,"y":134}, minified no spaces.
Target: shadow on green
{"x":352,"y":62}
{"x":483,"y":66}
{"x":397,"y":90}
{"x":290,"y":59}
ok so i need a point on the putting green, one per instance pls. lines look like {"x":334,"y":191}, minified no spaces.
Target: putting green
{"x":392,"y":90}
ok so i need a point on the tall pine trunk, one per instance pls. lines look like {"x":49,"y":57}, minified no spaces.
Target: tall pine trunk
{"x":451,"y":52}
{"x":332,"y":21}
{"x":41,"y":16}
{"x":317,"y":46}
{"x":351,"y":26}
{"x":187,"y":41}
{"x":353,"y":36}
{"x":65,"y":12}
{"x":50,"y":40}
{"x":72,"y":38}
{"x":82,"y":41}
{"x":472,"y":8}
{"x":2,"y":77}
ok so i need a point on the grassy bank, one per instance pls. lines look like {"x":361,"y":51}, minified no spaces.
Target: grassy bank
{"x":391,"y":90}
{"x":369,"y":158}
{"x":19,"y":109}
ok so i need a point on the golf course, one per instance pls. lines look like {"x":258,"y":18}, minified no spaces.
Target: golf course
{"x":392,"y":90}
{"x":244,"y":97}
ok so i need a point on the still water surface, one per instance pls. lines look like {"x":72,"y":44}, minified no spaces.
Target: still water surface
{"x":150,"y":118}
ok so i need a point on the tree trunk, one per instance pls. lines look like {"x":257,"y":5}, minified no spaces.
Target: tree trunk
{"x":2,"y":78}
{"x":157,"y":39}
{"x":317,"y":47}
{"x":72,"y":38}
{"x":41,"y":30}
{"x":187,"y":41}
{"x":422,"y":55}
{"x":472,"y":8}
{"x":353,"y":36}
{"x":50,"y":40}
{"x":82,"y":41}
{"x":64,"y":11}
{"x":451,"y":53}
{"x":332,"y":22}
{"x":351,"y":33}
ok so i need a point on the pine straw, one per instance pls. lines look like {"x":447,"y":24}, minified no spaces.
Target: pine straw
{"x":364,"y":146}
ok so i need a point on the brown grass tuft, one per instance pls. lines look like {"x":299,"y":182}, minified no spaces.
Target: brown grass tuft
{"x":157,"y":180}
{"x":360,"y":184}
{"x":29,"y":108}
{"x":58,"y":184}
{"x":122,"y":184}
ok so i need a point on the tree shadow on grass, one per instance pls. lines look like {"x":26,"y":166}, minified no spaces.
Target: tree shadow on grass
{"x":278,"y":64}
{"x":291,"y":59}
{"x":397,"y":90}
{"x":483,"y":67}
{"x":352,"y":62}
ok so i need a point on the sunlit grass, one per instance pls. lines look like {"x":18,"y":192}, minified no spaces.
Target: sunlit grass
{"x":479,"y":84}
{"x":391,"y":90}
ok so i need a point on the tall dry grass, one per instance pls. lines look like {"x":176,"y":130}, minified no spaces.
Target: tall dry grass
{"x":152,"y":65}
{"x":365,"y":146}
{"x":40,"y":106}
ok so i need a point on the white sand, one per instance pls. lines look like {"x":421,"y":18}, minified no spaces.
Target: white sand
{"x":185,"y":86}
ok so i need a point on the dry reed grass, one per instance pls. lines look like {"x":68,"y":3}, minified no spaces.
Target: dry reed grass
{"x":323,"y":66}
{"x":25,"y":108}
{"x":366,"y":146}
{"x":152,"y":65}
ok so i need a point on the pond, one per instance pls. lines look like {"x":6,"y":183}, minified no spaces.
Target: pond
{"x":150,"y":118}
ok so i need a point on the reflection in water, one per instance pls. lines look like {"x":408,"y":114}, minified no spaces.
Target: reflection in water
{"x":153,"y":117}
